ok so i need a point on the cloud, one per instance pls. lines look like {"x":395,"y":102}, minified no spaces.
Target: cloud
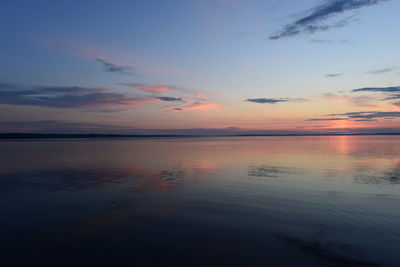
{"x":273,"y":100}
{"x":378,"y":89}
{"x":190,"y":95}
{"x":265,"y":100}
{"x":192,"y":101}
{"x":381,"y":71}
{"x":170,"y":99}
{"x":66,"y":97}
{"x":154,"y":89}
{"x":311,"y":23}
{"x":377,"y":114}
{"x":111,"y":67}
{"x":14,"y":89}
{"x":369,"y":114}
{"x":365,"y":120}
{"x":194,"y":106}
{"x":392,"y":97}
{"x":392,"y":89}
{"x":360,"y":116}
{"x":361,"y":101}
{"x":327,"y":41}
{"x":328,"y":119}
{"x":397,"y":104}
{"x":291,"y":30}
{"x":350,"y":113}
{"x":333,"y":75}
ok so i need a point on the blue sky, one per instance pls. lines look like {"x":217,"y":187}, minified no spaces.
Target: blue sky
{"x":207,"y":56}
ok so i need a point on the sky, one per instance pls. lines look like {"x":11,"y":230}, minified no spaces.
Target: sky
{"x":200,"y":66}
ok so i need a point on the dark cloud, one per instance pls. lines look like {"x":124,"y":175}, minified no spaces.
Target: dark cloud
{"x":170,"y":99}
{"x":360,"y":116}
{"x":350,"y":113}
{"x":381,"y":71}
{"x":291,"y":30}
{"x":393,"y":97}
{"x":397,"y":103}
{"x":333,"y":75}
{"x":265,"y":100}
{"x":311,"y":23}
{"x":382,"y":90}
{"x":369,"y":114}
{"x":378,"y":89}
{"x":328,"y":119}
{"x":14,"y":89}
{"x":377,"y":114}
{"x":68,"y":89}
{"x":326,"y":41}
{"x":273,"y":100}
{"x":65,"y":97}
{"x":111,"y":67}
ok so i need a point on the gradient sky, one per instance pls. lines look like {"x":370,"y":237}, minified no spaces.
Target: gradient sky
{"x":200,"y":66}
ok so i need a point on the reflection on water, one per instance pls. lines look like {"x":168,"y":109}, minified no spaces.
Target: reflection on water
{"x":271,"y":171}
{"x":390,"y":177}
{"x":382,"y":180}
{"x":70,"y":179}
{"x":260,"y":201}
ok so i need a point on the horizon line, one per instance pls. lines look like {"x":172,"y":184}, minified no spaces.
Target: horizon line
{"x":16,"y":136}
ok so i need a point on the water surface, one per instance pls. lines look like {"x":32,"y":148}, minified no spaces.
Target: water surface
{"x":237,"y":201}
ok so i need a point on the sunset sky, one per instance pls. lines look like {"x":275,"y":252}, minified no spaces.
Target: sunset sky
{"x":200,"y":66}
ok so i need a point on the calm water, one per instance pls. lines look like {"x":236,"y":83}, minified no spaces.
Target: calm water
{"x":258,"y":201}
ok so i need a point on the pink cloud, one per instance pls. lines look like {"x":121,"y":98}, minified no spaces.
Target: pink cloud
{"x":194,"y":106}
{"x":177,"y":106}
{"x":361,"y":101}
{"x":201,"y":106}
{"x":154,"y":89}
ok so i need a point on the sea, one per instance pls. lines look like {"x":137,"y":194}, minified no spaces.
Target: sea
{"x":203,"y":201}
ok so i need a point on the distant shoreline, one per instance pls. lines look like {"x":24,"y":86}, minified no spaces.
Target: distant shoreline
{"x":19,"y":136}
